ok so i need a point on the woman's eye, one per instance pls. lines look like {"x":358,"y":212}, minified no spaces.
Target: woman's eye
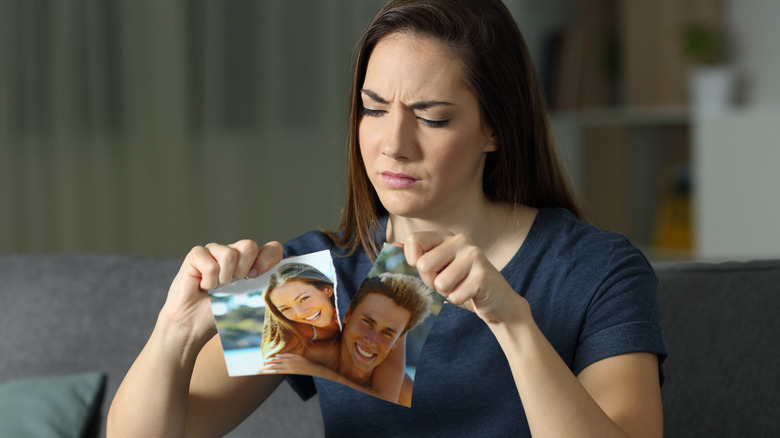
{"x":372,"y":112}
{"x":304,"y":298}
{"x":433,"y":123}
{"x":427,"y":122}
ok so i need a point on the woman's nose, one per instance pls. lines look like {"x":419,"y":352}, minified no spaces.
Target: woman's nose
{"x":398,"y":136}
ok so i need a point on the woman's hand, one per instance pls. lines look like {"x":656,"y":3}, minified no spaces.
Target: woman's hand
{"x":291,"y":363}
{"x":458,"y":269}
{"x":187,"y":308}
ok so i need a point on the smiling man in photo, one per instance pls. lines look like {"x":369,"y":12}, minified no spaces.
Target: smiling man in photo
{"x":384,"y":309}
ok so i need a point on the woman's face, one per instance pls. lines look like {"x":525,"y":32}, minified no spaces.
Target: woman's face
{"x":421,"y":136}
{"x":302,"y":302}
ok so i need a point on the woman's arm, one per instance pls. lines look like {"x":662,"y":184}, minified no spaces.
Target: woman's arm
{"x":618,"y":396}
{"x":289,"y":363}
{"x":179,"y":379}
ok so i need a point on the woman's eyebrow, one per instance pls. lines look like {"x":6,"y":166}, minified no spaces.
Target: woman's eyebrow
{"x":300,"y":295}
{"x":374,"y":96}
{"x":425,"y":104}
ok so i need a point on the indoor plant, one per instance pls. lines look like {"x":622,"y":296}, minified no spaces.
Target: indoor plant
{"x":711,"y":78}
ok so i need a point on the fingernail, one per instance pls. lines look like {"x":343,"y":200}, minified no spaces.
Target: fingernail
{"x":252,"y":273}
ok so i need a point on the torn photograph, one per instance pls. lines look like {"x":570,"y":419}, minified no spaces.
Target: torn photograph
{"x":289,"y":324}
{"x":283,"y":310}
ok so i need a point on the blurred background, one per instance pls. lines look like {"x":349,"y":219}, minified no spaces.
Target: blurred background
{"x":147,"y":127}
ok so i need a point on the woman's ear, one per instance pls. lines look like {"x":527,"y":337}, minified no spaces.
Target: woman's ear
{"x":346,"y":316}
{"x":491,"y":145}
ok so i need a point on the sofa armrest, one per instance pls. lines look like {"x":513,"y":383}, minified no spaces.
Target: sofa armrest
{"x":721,"y":323}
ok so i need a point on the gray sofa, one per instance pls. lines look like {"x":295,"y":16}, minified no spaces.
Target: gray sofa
{"x":67,"y":315}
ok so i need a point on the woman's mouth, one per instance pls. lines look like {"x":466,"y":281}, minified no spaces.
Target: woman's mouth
{"x":397,"y":180}
{"x":314,"y":317}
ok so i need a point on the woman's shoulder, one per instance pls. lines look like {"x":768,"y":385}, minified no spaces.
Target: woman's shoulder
{"x":311,"y":241}
{"x":560,"y":236}
{"x":580,"y":263}
{"x":345,"y":261}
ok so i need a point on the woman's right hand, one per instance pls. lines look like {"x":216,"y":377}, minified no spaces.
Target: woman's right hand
{"x":172,"y":389}
{"x":187,"y":309}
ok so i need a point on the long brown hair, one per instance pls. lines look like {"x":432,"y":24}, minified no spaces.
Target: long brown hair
{"x":525,"y":169}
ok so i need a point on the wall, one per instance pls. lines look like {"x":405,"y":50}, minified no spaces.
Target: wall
{"x":154,"y":126}
{"x":755,"y":34}
{"x":738,"y":153}
{"x":738,"y":204}
{"x":149,"y":127}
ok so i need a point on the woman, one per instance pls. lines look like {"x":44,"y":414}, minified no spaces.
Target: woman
{"x":553,"y":328}
{"x":300,"y":309}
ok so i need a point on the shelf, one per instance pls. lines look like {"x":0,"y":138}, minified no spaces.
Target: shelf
{"x":625,"y":163}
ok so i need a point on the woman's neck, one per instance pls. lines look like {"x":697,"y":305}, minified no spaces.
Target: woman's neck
{"x":322,"y":333}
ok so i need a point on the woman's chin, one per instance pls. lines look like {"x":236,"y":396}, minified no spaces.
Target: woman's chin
{"x":404,"y":209}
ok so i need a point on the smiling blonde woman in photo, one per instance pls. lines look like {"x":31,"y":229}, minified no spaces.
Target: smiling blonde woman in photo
{"x":300,"y":309}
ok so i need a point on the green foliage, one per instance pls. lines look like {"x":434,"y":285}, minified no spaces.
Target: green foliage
{"x":704,"y":44}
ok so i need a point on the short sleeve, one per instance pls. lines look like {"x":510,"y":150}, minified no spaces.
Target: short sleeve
{"x":622,"y":316}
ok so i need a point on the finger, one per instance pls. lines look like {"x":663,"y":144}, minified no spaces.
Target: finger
{"x":227,"y":258}
{"x":267,"y":257}
{"x":201,"y":266}
{"x":269,"y":369}
{"x":435,"y":261}
{"x":470,"y":288}
{"x":417,"y":244}
{"x":247,"y":255}
{"x":274,"y":365}
{"x":278,"y":357}
{"x":457,"y":270}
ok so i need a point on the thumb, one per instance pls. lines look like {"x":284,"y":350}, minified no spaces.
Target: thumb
{"x":267,"y":257}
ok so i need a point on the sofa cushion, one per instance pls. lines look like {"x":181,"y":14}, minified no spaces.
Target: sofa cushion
{"x":51,"y":407}
{"x":721,"y":323}
{"x":65,"y":314}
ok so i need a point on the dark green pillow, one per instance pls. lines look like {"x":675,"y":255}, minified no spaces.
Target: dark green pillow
{"x":60,"y":406}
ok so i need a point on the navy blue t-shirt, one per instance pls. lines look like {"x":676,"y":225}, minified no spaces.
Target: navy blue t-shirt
{"x":591,"y":293}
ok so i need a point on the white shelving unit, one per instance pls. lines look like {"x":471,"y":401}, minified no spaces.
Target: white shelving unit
{"x":621,"y":163}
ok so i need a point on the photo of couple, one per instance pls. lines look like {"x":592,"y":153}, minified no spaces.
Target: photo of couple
{"x":287,"y":322}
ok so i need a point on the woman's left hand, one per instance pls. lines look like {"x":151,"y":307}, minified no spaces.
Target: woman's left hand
{"x":291,"y":363}
{"x":458,"y":269}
